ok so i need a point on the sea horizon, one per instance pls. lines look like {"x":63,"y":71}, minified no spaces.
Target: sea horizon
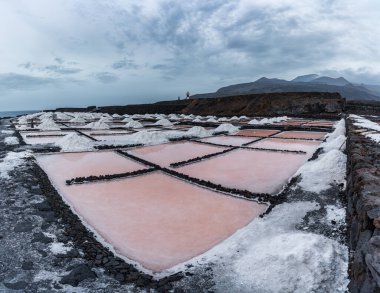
{"x":16,"y":113}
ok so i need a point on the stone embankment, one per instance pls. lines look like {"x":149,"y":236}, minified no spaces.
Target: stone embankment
{"x":321,"y":105}
{"x":363,"y":214}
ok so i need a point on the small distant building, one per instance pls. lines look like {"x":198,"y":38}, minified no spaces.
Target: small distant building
{"x":187,"y":95}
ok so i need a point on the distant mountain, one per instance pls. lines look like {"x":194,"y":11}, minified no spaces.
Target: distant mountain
{"x":304,"y":83}
{"x":305,"y":78}
{"x":340,"y":81}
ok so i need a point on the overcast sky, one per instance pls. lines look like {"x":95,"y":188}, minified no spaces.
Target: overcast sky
{"x":87,"y":52}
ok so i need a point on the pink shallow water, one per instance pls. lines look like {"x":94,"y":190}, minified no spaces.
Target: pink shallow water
{"x":165,"y":154}
{"x":253,"y":170}
{"x":157,"y":220}
{"x":61,"y":167}
{"x":308,"y":146}
{"x":301,"y":134}
{"x":229,"y":140}
{"x":256,"y":132}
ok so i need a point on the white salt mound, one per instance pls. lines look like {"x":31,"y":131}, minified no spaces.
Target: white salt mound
{"x":134,"y":124}
{"x":149,"y":137}
{"x":226,"y":127}
{"x":212,"y":120}
{"x":127,"y":119}
{"x":97,"y":125}
{"x":198,"y":131}
{"x":104,"y":119}
{"x":62,"y":116}
{"x":74,"y":143}
{"x":22,"y":120}
{"x":7,"y":131}
{"x":163,"y":122}
{"x":48,"y":124}
{"x":318,"y":175}
{"x":267,"y":120}
{"x":11,"y":140}
{"x":77,"y":120}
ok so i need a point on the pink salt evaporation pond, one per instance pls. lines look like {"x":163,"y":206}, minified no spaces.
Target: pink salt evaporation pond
{"x":157,"y":220}
{"x":165,"y":154}
{"x":256,"y":132}
{"x":301,"y":134}
{"x":254,"y":170}
{"x":61,"y":167}
{"x":229,"y":140}
{"x":308,"y":146}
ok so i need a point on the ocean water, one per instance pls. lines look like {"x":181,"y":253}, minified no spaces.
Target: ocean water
{"x":16,"y":113}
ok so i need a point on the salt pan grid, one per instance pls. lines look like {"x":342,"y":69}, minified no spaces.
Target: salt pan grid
{"x":64,"y":166}
{"x":157,"y":220}
{"x":256,"y":132}
{"x":229,"y":140}
{"x":301,"y":134}
{"x":308,"y":146}
{"x":254,"y":170}
{"x":166,"y":154}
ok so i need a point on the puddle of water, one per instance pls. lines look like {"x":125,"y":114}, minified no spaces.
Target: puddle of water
{"x":301,"y":134}
{"x":308,"y":146}
{"x":157,"y":220}
{"x":61,"y":167}
{"x":229,"y":140}
{"x":165,"y":154}
{"x":256,"y":132}
{"x":253,"y":170}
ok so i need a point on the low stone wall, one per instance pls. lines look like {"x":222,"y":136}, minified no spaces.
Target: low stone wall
{"x":363,"y":211}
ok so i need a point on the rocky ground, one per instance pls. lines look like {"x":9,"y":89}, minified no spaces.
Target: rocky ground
{"x":38,"y":255}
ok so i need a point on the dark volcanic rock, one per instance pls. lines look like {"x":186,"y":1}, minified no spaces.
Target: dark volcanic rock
{"x":77,"y":275}
{"x":40,"y":237}
{"x":27,"y":265}
{"x":43,"y":206}
{"x":16,"y":286}
{"x":24,"y":226}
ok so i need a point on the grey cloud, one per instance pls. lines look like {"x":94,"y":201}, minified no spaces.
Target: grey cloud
{"x":54,"y":68}
{"x":124,"y":64}
{"x":106,"y":77}
{"x":14,"y":81}
{"x":61,"y":69}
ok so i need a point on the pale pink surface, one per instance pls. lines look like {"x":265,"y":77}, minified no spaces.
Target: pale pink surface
{"x":301,"y":134}
{"x":229,"y":140}
{"x":308,"y":146}
{"x":61,"y":167}
{"x":157,"y":220}
{"x":292,"y":122}
{"x":165,"y":154}
{"x":256,"y":132}
{"x":254,"y":170}
{"x":317,"y":123}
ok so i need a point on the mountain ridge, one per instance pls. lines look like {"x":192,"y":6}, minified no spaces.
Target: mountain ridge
{"x":303,"y":83}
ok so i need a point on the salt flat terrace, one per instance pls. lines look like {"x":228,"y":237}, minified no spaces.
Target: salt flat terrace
{"x":170,"y":188}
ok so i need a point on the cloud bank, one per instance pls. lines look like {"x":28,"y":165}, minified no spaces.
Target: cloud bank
{"x":78,"y":53}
